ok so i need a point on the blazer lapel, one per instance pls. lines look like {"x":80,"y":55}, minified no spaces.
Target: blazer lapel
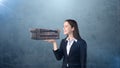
{"x":72,"y":47}
{"x":65,"y":50}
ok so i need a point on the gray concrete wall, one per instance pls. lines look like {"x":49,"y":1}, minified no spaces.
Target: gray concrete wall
{"x":99,"y":25}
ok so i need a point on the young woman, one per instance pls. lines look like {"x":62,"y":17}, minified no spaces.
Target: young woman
{"x":73,"y":49}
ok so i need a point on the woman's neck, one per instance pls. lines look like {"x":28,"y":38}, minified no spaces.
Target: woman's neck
{"x":70,"y":36}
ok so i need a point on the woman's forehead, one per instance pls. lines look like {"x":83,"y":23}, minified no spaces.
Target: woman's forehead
{"x":66,"y":23}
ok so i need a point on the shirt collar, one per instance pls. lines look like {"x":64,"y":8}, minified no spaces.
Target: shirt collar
{"x":72,"y":39}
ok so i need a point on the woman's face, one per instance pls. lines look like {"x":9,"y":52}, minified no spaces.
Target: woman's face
{"x":67,"y":28}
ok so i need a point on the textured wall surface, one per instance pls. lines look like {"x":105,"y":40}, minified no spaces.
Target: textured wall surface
{"x":99,"y":25}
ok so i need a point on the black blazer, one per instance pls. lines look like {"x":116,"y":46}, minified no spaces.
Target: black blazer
{"x":77,"y":55}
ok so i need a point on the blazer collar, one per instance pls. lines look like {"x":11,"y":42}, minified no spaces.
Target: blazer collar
{"x":67,"y":39}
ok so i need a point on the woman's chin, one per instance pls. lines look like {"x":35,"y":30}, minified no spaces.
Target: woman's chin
{"x":65,"y":33}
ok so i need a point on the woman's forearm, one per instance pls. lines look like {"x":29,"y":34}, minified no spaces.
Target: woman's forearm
{"x":55,"y":46}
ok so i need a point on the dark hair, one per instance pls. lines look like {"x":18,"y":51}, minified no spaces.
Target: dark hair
{"x":74,"y":24}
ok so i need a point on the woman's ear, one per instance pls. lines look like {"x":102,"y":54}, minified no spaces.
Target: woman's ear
{"x":73,"y":28}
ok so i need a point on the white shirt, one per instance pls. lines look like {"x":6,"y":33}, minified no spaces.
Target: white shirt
{"x":69,"y":44}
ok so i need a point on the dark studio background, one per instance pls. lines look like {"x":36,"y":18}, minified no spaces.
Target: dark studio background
{"x":99,"y":25}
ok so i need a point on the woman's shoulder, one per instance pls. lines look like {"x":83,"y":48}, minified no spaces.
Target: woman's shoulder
{"x":64,"y":39}
{"x":81,"y":41}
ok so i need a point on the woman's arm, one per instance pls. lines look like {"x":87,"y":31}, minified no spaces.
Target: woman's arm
{"x":55,"y":46}
{"x":83,"y":54}
{"x":58,"y":52}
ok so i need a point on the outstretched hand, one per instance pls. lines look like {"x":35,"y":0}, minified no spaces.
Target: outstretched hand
{"x":50,"y":40}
